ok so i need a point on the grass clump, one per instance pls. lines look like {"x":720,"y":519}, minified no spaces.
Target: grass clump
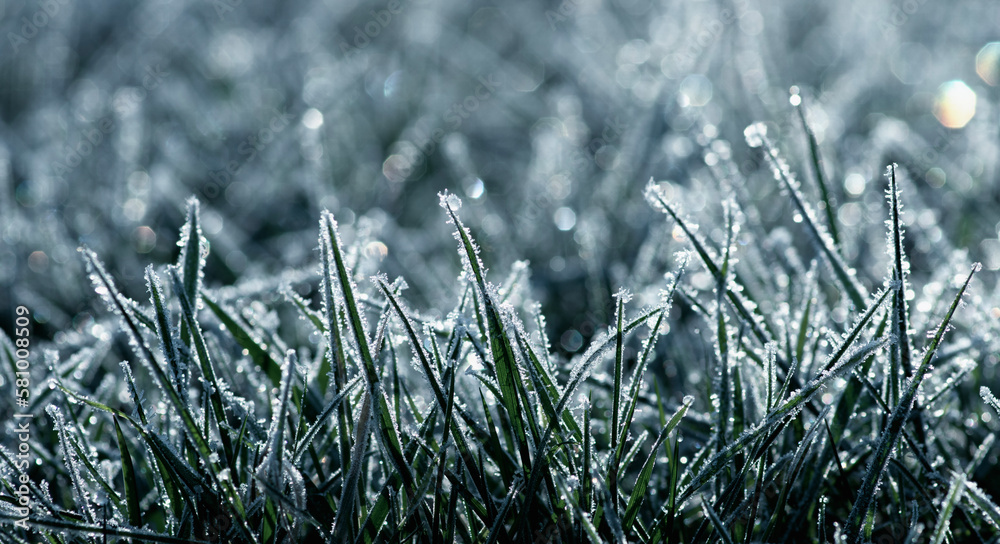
{"x":760,"y":391}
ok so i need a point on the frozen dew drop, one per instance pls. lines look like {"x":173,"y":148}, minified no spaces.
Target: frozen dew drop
{"x":755,"y":134}
{"x":451,"y":200}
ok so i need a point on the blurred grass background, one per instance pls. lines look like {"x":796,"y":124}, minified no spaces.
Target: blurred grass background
{"x":547,"y":117}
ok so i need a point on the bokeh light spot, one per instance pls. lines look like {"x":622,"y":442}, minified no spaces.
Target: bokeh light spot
{"x":854,"y":184}
{"x":988,"y":63}
{"x":954,"y":104}
{"x":696,"y":90}
{"x":143,"y":239}
{"x":312,"y":118}
{"x":564,"y":218}
{"x":38,"y":261}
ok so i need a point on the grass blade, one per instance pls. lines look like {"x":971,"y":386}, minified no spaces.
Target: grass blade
{"x":829,"y":206}
{"x":189,"y":318}
{"x":342,"y":525}
{"x":951,"y":500}
{"x":900,"y":414}
{"x":616,"y":391}
{"x":128,"y":479}
{"x":166,"y":333}
{"x":244,"y":335}
{"x":658,"y":200}
{"x":191,"y":261}
{"x":717,"y":523}
{"x":642,"y":481}
{"x":795,"y":468}
{"x":386,"y":428}
{"x":505,"y":364}
{"x":756,"y":134}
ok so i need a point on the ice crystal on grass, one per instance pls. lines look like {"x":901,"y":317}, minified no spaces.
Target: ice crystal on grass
{"x":72,"y":462}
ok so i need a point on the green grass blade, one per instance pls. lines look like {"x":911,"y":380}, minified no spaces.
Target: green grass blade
{"x":637,"y":380}
{"x":951,"y":500}
{"x":107,"y":288}
{"x":829,"y":206}
{"x":577,"y":376}
{"x":376,"y":517}
{"x":504,"y":361}
{"x":194,"y":249}
{"x":778,"y":416}
{"x":900,"y":414}
{"x":271,"y":467}
{"x":335,"y":355}
{"x":845,"y":276}
{"x":544,"y":385}
{"x":94,"y":473}
{"x":343,"y":524}
{"x":244,"y":336}
{"x":983,"y":503}
{"x":191,"y":261}
{"x":317,"y":425}
{"x":166,"y":333}
{"x":795,"y":469}
{"x":411,"y":331}
{"x":616,"y":391}
{"x":207,"y":368}
{"x":128,"y":479}
{"x":505,"y":506}
{"x":900,"y":324}
{"x":302,"y":306}
{"x":659,"y":201}
{"x":717,"y":523}
{"x":724,"y":373}
{"x":386,"y":428}
{"x":642,"y":481}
